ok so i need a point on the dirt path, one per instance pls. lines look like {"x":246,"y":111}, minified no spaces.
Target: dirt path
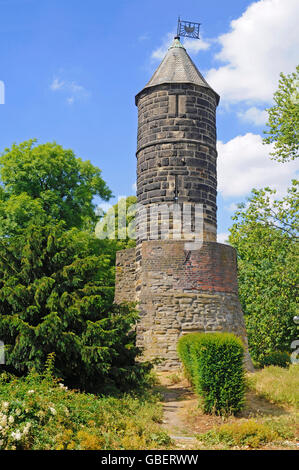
{"x":184,"y":420}
{"x":176,"y":399}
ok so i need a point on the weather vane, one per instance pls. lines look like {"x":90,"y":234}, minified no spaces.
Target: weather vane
{"x":188,"y":29}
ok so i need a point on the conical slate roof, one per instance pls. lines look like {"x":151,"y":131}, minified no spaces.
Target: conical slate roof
{"x":178,"y":67}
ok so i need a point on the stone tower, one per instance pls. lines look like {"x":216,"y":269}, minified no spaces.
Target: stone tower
{"x":183,"y":283}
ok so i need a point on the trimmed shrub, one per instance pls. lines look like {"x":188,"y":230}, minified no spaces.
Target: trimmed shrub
{"x":276,"y":358}
{"x":184,"y":352}
{"x":214,"y":362}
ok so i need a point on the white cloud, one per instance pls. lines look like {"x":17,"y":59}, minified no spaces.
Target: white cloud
{"x":255,"y":116}
{"x":231,"y":207}
{"x":223,"y":237}
{"x":72,"y":89}
{"x":263,"y":42}
{"x":70,"y":100}
{"x":56,"y":84}
{"x":244,"y":163}
{"x":159,"y":53}
{"x":193,"y":46}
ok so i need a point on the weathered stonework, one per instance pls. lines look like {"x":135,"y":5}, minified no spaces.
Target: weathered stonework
{"x":180,"y":287}
{"x":178,"y":148}
{"x":181,"y":291}
{"x":125,"y":276}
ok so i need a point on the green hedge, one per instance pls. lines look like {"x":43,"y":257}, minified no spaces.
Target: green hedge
{"x":276,"y":358}
{"x":214,"y":364}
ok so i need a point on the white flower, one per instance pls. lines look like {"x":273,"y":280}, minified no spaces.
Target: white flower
{"x":26,"y":428}
{"x":30,"y":391}
{"x":64,"y":387}
{"x":11,"y":419}
{"x":18,"y":411}
{"x":3,"y":420}
{"x":5,"y":405}
{"x":16,"y":435}
{"x":53,"y":411}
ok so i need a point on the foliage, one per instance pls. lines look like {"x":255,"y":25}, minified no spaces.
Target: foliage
{"x":56,"y":295}
{"x":278,"y":385}
{"x":215,"y":363}
{"x":247,"y":433}
{"x":40,"y":413}
{"x":119,"y":223}
{"x":276,"y":358}
{"x":185,"y":353}
{"x":283,"y":119}
{"x":46,"y":183}
{"x":264,"y":234}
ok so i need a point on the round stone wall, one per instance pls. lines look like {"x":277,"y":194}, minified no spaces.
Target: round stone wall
{"x":176,"y":152}
{"x":183,"y":291}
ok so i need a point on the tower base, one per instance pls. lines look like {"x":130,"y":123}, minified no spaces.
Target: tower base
{"x":180,"y":290}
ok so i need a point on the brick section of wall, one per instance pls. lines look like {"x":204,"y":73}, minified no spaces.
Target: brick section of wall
{"x":125,"y":276}
{"x":213,"y":267}
{"x":177,"y":142}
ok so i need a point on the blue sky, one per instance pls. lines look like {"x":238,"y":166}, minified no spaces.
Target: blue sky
{"x":71,"y":69}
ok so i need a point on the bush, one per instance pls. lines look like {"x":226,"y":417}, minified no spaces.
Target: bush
{"x":277,"y":358}
{"x":184,"y":352}
{"x":214,"y":361}
{"x":39,"y":413}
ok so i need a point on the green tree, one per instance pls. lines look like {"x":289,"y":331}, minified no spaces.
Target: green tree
{"x":265,"y":236}
{"x":56,"y":277}
{"x":283,"y":119}
{"x":120,"y":228}
{"x":47,"y":183}
{"x":56,"y":295}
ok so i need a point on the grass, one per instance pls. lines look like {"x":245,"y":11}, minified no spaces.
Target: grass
{"x":39,"y":413}
{"x":277,"y":384}
{"x":252,"y":434}
{"x":240,"y":434}
{"x":268,"y":421}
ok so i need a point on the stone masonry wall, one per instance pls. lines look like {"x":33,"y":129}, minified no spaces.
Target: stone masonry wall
{"x":184,"y":291}
{"x":125,"y":276}
{"x":180,"y":291}
{"x":177,"y":148}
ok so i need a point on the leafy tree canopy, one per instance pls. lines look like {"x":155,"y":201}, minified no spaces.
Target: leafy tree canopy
{"x":43,"y":183}
{"x":118,"y":223}
{"x":265,"y":236}
{"x":283,"y":119}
